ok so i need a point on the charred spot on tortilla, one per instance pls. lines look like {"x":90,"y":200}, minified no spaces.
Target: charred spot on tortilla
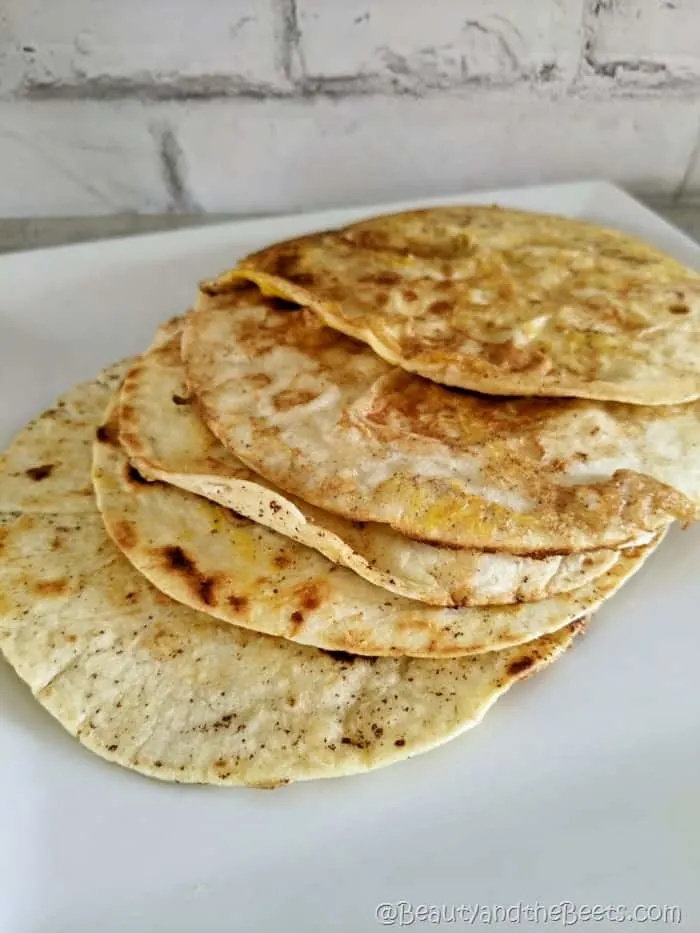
{"x":238,"y":603}
{"x":40,"y":472}
{"x":521,"y":665}
{"x":205,"y":589}
{"x":178,"y":559}
{"x":107,"y":434}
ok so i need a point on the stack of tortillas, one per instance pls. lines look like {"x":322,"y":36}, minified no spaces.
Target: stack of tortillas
{"x":373,"y":478}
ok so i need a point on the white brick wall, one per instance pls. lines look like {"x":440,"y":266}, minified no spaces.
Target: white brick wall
{"x":79,"y":158}
{"x":321,"y":153}
{"x":635,"y":38}
{"x":74,"y":42}
{"x":439,"y":43}
{"x":267,"y":105}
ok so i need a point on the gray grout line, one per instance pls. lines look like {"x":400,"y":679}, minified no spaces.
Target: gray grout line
{"x":694,"y":156}
{"x":174,"y":169}
{"x":292,"y":64}
{"x":204,"y":88}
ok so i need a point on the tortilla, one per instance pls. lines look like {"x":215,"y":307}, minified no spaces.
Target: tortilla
{"x":40,"y":467}
{"x":327,"y":420}
{"x":165,"y":439}
{"x":156,"y":687}
{"x":502,"y":302}
{"x":212,"y":560}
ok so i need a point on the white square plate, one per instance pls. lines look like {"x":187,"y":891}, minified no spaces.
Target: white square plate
{"x":581,"y":785}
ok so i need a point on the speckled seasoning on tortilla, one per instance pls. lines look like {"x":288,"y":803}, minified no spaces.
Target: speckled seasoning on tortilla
{"x":152,"y":685}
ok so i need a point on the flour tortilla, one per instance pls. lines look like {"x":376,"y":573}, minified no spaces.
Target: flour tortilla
{"x":241,"y":572}
{"x":40,"y":467}
{"x":166,"y":439}
{"x":156,"y":687}
{"x":501,"y":302}
{"x":326,"y":419}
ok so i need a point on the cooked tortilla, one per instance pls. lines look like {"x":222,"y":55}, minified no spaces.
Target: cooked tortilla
{"x":40,"y":467}
{"x":156,"y":687}
{"x":213,"y":560}
{"x":166,"y":439}
{"x":324,"y":418}
{"x":501,"y":302}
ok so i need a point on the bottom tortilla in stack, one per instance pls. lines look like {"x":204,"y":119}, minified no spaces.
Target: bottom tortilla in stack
{"x":167,"y":691}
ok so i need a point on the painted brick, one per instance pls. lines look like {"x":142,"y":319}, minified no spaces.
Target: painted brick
{"x":436,"y":44}
{"x":79,"y":158}
{"x":140,"y":42}
{"x":647,"y":40}
{"x":289,"y":155}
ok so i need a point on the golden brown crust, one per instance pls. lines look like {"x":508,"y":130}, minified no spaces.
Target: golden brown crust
{"x":377,"y":444}
{"x":241,"y":572}
{"x":499,"y":301}
{"x":165,"y":437}
{"x":154,"y":686}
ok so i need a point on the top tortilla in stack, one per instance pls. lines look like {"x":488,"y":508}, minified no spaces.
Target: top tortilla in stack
{"x":501,"y":302}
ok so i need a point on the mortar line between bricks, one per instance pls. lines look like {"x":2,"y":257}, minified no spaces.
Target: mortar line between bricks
{"x":291,"y":57}
{"x":173,"y":169}
{"x":185,"y":88}
{"x":694,"y":157}
{"x":351,"y":87}
{"x":589,"y":16}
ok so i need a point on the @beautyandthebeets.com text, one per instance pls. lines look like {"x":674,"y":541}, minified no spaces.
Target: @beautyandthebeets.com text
{"x":564,"y":914}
